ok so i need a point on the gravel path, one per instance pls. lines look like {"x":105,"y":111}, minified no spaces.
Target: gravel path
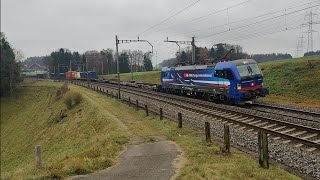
{"x":142,"y":161}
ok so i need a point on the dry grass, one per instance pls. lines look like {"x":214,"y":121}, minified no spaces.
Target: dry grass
{"x":84,"y":141}
{"x":72,"y":99}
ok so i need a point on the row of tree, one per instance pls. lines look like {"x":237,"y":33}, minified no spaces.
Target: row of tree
{"x":312,"y":53}
{"x":270,"y":57}
{"x":10,"y":66}
{"x":103,"y":62}
{"x":204,"y":55}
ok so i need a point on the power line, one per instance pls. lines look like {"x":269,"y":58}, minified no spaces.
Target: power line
{"x":257,"y":22}
{"x":263,"y":28}
{"x":258,"y":34}
{"x":310,"y":16}
{"x":247,"y":19}
{"x":201,"y":17}
{"x":169,"y":17}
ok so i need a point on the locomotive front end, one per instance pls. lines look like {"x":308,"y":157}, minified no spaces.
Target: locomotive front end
{"x":250,"y":84}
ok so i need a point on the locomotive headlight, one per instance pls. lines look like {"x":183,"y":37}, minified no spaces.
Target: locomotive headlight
{"x":239,"y":86}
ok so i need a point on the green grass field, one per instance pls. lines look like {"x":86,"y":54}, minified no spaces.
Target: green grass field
{"x":87,"y":139}
{"x":150,"y":76}
{"x":291,"y":81}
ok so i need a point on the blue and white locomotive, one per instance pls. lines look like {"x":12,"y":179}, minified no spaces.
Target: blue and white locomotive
{"x":234,"y":82}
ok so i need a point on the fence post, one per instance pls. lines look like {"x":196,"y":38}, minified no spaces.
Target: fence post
{"x":137,"y":105}
{"x":146,"y":108}
{"x":263,"y":149}
{"x":111,"y":94}
{"x":226,"y":139}
{"x":179,"y":120}
{"x":161,"y":114}
{"x":38,"y":156}
{"x":97,"y":89}
{"x":107,"y":92}
{"x":207,"y":131}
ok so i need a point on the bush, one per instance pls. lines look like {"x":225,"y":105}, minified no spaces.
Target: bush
{"x":77,"y":98}
{"x":72,"y":99}
{"x":62,"y":90}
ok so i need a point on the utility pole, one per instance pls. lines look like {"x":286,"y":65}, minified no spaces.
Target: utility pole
{"x":125,"y":41}
{"x":310,"y":22}
{"x":70,"y":65}
{"x":86,"y":64}
{"x":182,"y":42}
{"x":193,"y":51}
{"x":157,"y":58}
{"x":102,"y":67}
{"x":300,"y":43}
{"x":131,"y":67}
{"x":118,"y":70}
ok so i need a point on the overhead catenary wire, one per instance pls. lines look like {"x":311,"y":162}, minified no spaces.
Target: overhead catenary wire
{"x":261,"y":28}
{"x":257,"y":22}
{"x":238,"y":21}
{"x":169,"y":17}
{"x":201,"y":17}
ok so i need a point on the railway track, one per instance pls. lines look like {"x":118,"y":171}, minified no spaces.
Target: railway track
{"x":299,"y":135}
{"x":288,"y":112}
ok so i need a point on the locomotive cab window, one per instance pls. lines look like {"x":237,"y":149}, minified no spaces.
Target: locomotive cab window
{"x":226,"y":74}
{"x":219,"y":74}
{"x":163,"y":74}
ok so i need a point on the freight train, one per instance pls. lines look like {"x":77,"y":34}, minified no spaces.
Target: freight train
{"x":74,"y":75}
{"x":232,"y":82}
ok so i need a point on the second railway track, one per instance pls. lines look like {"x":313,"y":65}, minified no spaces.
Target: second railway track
{"x":301,"y":135}
{"x":306,"y":115}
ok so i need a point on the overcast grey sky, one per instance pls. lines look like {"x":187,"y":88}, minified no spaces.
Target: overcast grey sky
{"x":38,"y":27}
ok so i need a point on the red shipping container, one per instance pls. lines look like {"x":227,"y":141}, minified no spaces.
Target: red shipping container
{"x":71,"y":74}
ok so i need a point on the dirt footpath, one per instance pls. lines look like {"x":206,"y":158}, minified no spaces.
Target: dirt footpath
{"x":149,"y":158}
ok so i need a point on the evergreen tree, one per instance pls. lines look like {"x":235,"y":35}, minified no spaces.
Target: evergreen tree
{"x":124,"y":62}
{"x":212,"y":53}
{"x":10,"y":68}
{"x":147,"y":63}
{"x":220,"y":51}
{"x":184,"y":57}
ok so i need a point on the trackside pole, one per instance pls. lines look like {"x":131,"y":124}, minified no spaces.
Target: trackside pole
{"x":226,"y":138}
{"x":263,"y":149}
{"x":179,"y":120}
{"x":207,"y":131}
{"x":38,"y":156}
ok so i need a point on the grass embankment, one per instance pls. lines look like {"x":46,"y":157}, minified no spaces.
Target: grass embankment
{"x":150,"y":76}
{"x":87,"y":139}
{"x":291,"y":81}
